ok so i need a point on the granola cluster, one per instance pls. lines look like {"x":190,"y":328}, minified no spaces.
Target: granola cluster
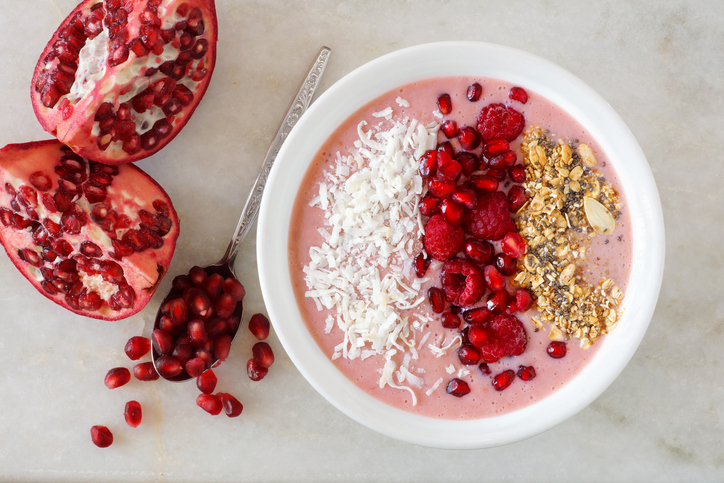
{"x":569,"y":203}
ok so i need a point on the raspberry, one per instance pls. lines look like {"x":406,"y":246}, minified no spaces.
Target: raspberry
{"x":442,"y":240}
{"x":507,"y":337}
{"x":491,"y":219}
{"x":462,"y":282}
{"x":498,"y":121}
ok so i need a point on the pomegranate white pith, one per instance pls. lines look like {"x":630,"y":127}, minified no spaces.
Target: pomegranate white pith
{"x":118,"y":80}
{"x":95,"y":239}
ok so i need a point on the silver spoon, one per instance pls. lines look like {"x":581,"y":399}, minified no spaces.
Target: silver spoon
{"x":225,"y":266}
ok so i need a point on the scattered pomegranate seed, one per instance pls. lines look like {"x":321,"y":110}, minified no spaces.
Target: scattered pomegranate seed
{"x":526,"y":372}
{"x":503,"y":380}
{"x":505,"y":264}
{"x":516,"y":197}
{"x":450,"y":320}
{"x":440,"y":188}
{"x":478,"y":315}
{"x":469,"y":354}
{"x":447,"y":148}
{"x":485,"y":368}
{"x":503,"y":161}
{"x":494,"y":279}
{"x":449,"y":128}
{"x":206,"y":382}
{"x":557,"y":349}
{"x":453,"y":212}
{"x":428,"y":163}
{"x":475,"y":90}
{"x":518,"y":94}
{"x":101,"y":436}
{"x":480,"y":252}
{"x":255,"y":371}
{"x":137,"y":347}
{"x":421,"y":264}
{"x":496,"y":302}
{"x":133,"y":413}
{"x":117,"y":377}
{"x":437,"y":299}
{"x":195,"y":366}
{"x":517,"y":173}
{"x":478,"y":336}
{"x":259,"y":326}
{"x":513,"y":245}
{"x":523,"y":299}
{"x":470,"y":162}
{"x":469,"y":138}
{"x":484,"y":182}
{"x":458,"y":387}
{"x":145,"y":372}
{"x":444,"y":103}
{"x":494,"y":147}
{"x":232,"y":406}
{"x":209,"y":403}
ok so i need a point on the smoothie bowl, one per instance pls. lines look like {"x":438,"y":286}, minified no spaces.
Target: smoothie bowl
{"x":460,"y":245}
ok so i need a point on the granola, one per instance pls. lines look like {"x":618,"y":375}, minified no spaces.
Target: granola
{"x":569,"y":203}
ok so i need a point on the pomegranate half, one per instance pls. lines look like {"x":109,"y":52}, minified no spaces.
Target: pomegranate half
{"x":120,"y":78}
{"x":93,"y":238}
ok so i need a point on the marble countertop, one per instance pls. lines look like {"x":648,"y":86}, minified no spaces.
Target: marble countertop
{"x":659,"y":64}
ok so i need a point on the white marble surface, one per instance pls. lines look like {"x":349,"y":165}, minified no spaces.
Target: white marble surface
{"x":660,"y":65}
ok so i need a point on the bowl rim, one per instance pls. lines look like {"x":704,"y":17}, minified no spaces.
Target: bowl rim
{"x":438,"y":59}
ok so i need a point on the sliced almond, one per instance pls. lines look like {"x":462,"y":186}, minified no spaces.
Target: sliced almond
{"x":598,"y":216}
{"x":586,"y":154}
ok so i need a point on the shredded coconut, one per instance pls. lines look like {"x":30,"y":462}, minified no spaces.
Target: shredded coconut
{"x":372,"y":224}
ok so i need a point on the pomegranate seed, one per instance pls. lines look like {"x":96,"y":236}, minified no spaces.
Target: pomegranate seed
{"x":255,"y":371}
{"x":518,"y":94}
{"x":511,"y":306}
{"x":440,"y":188}
{"x":209,"y":403}
{"x":222,"y":347}
{"x":513,"y":245}
{"x":496,"y":302}
{"x":197,"y":333}
{"x":458,"y":387}
{"x":465,"y":197}
{"x":421,"y":264}
{"x":428,"y":163}
{"x":137,"y":347}
{"x":526,"y":372}
{"x":133,"y":413}
{"x":478,"y":336}
{"x":470,"y":162}
{"x":197,"y":301}
{"x":449,"y":128}
{"x":469,"y":354}
{"x":480,"y":252}
{"x":523,"y":299}
{"x":259,"y":326}
{"x":484,"y":182}
{"x":101,"y":436}
{"x":517,"y":173}
{"x":117,"y":377}
{"x":503,"y":161}
{"x":516,"y":197}
{"x":452,"y":212}
{"x":557,"y":349}
{"x":485,"y":368}
{"x":225,"y":305}
{"x":495,"y":147}
{"x":469,"y":138}
{"x":447,"y":148}
{"x":232,"y":406}
{"x":436,"y":296}
{"x":216,"y":328}
{"x":212,"y":285}
{"x":450,"y":320}
{"x":145,"y":372}
{"x":263,"y":354}
{"x":234,"y":288}
{"x":177,"y":311}
{"x":503,"y":380}
{"x":448,"y":169}
{"x":162,"y":342}
{"x":181,"y":283}
{"x":444,"y":103}
{"x":429,"y":204}
{"x":478,"y":315}
{"x":475,"y":90}
{"x":168,"y":367}
{"x":505,"y":264}
{"x":493,"y":278}
{"x":206,"y":382}
{"x":197,"y":275}
{"x":195,"y":367}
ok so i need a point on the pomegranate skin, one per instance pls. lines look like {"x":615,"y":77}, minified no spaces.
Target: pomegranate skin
{"x":70,"y":110}
{"x":61,"y":248}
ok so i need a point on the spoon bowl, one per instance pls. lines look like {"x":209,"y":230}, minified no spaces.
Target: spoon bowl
{"x":201,"y":296}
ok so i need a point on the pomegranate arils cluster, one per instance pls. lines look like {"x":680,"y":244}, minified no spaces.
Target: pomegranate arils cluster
{"x":473,"y":190}
{"x":198,"y":320}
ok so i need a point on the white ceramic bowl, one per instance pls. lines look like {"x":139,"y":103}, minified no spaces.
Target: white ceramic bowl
{"x":445,"y":59}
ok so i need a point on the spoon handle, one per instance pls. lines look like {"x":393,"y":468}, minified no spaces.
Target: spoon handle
{"x":297,"y":107}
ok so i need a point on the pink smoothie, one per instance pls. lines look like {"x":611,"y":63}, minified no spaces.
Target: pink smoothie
{"x":609,"y":256}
